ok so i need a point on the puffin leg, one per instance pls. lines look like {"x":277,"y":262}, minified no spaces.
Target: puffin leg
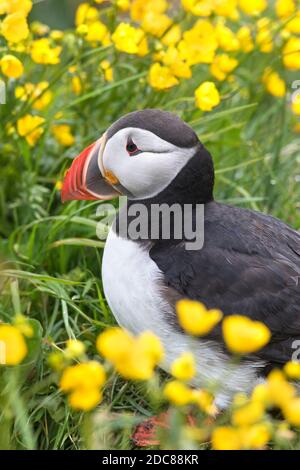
{"x":145,"y":434}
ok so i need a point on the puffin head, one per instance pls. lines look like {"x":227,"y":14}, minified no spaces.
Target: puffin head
{"x":139,"y":156}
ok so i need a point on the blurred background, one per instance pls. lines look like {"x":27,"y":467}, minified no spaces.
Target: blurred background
{"x":46,"y":12}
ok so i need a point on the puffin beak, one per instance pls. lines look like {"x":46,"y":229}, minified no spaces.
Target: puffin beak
{"x":86,"y":179}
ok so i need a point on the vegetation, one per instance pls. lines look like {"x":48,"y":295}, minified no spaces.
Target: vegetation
{"x":228,"y":68}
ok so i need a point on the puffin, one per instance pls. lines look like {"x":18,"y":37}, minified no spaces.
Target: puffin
{"x":248,"y":263}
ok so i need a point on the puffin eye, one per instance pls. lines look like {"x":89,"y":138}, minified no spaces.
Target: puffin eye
{"x":131,"y":148}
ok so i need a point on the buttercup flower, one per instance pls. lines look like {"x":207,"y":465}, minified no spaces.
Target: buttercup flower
{"x":184,"y":367}
{"x":245,"y":39}
{"x":226,"y":438}
{"x":30,"y":127}
{"x":43,"y":53}
{"x":254,"y":7}
{"x":85,"y":14}
{"x":207,"y":96}
{"x":199,"y":44}
{"x":74,"y":348}
{"x":198,"y":7}
{"x":226,"y":8}
{"x":177,"y":66}
{"x":291,"y":54}
{"x":14,"y":27}
{"x":248,"y":414}
{"x":222,"y":65}
{"x":274,"y":84}
{"x":134,"y":358}
{"x":243,"y":335}
{"x":130,"y":39}
{"x":195,"y":319}
{"x":226,"y":38}
{"x":156,"y":24}
{"x":22,"y":6}
{"x":178,"y":393}
{"x":39,"y":93}
{"x":83,"y":383}
{"x":161,"y":77}
{"x":107,"y":70}
{"x":284,"y":8}
{"x":63,"y":134}
{"x":139,"y":8}
{"x":292,"y":370}
{"x":291,"y":411}
{"x":13,"y":348}
{"x":11,"y":66}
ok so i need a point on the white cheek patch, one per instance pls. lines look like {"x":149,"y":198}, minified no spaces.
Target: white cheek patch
{"x":151,"y":171}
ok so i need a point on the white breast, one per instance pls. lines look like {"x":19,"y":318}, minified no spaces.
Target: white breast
{"x":131,"y":286}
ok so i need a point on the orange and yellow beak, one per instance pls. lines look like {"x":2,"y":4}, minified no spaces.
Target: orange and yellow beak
{"x":87,"y":179}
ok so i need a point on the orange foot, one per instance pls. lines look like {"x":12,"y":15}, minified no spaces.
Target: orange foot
{"x":145,"y":434}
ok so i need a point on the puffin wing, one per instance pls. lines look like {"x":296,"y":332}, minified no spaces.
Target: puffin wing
{"x":249,"y":265}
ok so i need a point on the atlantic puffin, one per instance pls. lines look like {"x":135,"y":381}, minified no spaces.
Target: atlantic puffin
{"x":249,"y":262}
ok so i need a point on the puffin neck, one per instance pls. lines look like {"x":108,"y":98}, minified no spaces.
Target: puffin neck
{"x":193,"y":184}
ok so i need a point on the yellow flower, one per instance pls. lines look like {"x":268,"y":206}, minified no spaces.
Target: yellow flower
{"x":13,"y":348}
{"x":184,"y":367}
{"x":207,"y":97}
{"x":133,"y":358}
{"x":274,"y":84}
{"x":85,"y":400}
{"x":205,"y":401}
{"x":226,"y":438}
{"x":198,"y":7}
{"x":291,"y":411}
{"x":123,"y":5}
{"x":295,"y":105}
{"x":248,"y":414}
{"x":114,"y":343}
{"x":156,"y":24}
{"x":22,"y":6}
{"x":226,"y":8}
{"x":284,"y":8}
{"x":97,"y":32}
{"x":11,"y":66}
{"x":195,"y":319}
{"x":57,"y":35}
{"x":256,"y":436}
{"x":14,"y":27}
{"x":161,"y":77}
{"x":291,"y":54}
{"x":178,"y":393}
{"x":3,"y":6}
{"x":293,"y":26}
{"x":226,"y":38}
{"x":222,"y":65}
{"x":83,"y":382}
{"x":43,"y":53}
{"x":243,"y":335}
{"x":76,"y":85}
{"x":63,"y":134}
{"x":84,"y":376}
{"x":292,"y":370}
{"x":245,"y":39}
{"x":39,"y":92}
{"x":275,"y":392}
{"x":85,"y":14}
{"x":177,"y":66}
{"x":139,"y":8}
{"x":30,"y":127}
{"x":199,"y":44}
{"x":130,"y":39}
{"x":264,"y":35}
{"x":74,"y":347}
{"x":107,"y":70}
{"x":253,"y":7}
{"x":172,"y":36}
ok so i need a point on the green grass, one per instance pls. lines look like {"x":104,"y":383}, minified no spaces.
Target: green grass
{"x":51,"y":257}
